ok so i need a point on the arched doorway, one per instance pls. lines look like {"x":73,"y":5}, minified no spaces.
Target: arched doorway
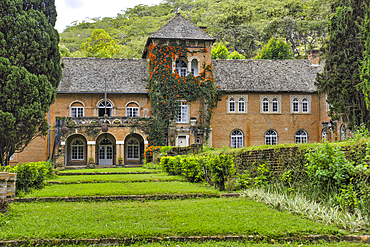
{"x":134,"y":149}
{"x":105,"y":150}
{"x":76,"y":153}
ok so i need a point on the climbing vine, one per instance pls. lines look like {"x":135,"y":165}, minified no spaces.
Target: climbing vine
{"x":167,"y":89}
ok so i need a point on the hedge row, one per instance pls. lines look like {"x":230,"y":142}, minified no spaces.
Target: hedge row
{"x":214,"y":169}
{"x":31,"y":175}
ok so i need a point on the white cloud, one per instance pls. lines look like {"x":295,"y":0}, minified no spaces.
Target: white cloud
{"x":78,"y":10}
{"x":73,"y":4}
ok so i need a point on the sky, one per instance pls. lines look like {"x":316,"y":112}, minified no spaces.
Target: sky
{"x":77,"y":10}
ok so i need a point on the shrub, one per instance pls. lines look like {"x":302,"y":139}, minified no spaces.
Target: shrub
{"x":328,"y":168}
{"x":31,"y":175}
{"x":192,"y":168}
{"x":222,"y":168}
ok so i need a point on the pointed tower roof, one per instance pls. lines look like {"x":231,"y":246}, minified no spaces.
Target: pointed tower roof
{"x":180,"y":28}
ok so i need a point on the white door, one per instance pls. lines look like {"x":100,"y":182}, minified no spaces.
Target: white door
{"x":106,"y":152}
{"x":182,"y":141}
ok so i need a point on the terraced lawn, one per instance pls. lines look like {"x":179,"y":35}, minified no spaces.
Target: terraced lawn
{"x":198,"y":217}
{"x":118,"y":169}
{"x":158,"y":177}
{"x":114,"y":189}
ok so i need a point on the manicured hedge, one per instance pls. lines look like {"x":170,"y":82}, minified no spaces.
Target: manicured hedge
{"x":214,"y":169}
{"x":31,"y":175}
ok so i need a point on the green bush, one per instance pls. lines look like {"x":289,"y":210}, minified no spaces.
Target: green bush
{"x":171,"y":165}
{"x":221,"y":168}
{"x":328,"y":168}
{"x":192,"y":168}
{"x":31,"y":175}
{"x":217,"y":169}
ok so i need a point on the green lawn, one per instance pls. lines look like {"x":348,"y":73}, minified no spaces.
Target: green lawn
{"x":116,"y":177}
{"x":197,"y":217}
{"x":112,"y":189}
{"x":244,"y":244}
{"x":119,"y":169}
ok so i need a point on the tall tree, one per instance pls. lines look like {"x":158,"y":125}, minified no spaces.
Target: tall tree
{"x":341,"y":75}
{"x":100,"y":44}
{"x":30,"y":71}
{"x":234,"y":27}
{"x":365,"y":69}
{"x":275,"y":49}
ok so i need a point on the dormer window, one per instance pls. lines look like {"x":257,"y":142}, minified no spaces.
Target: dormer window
{"x":181,"y":67}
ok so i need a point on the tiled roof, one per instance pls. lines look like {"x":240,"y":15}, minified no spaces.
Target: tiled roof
{"x":180,"y":28}
{"x":88,"y":74}
{"x":265,"y":75}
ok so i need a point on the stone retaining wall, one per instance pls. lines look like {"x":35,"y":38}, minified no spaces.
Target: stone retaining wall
{"x":7,"y":185}
{"x":123,"y":198}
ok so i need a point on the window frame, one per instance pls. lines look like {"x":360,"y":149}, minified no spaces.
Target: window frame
{"x":241,"y":102}
{"x":270,"y":138}
{"x":130,"y":111}
{"x":182,"y":117}
{"x":265,"y":105}
{"x":180,"y":69}
{"x":275,"y":105}
{"x":305,"y":102}
{"x":233,"y":104}
{"x":76,"y":156}
{"x":109,"y":108}
{"x":236,"y":139}
{"x":295,"y":105}
{"x":299,"y":136}
{"x":77,"y":110}
{"x":134,"y":148}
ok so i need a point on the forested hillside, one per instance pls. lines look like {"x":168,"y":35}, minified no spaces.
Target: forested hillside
{"x":244,"y":25}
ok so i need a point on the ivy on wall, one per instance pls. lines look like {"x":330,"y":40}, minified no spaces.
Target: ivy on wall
{"x":167,"y":89}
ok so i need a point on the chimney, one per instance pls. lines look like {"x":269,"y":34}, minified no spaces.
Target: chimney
{"x":204,"y":29}
{"x":314,"y":56}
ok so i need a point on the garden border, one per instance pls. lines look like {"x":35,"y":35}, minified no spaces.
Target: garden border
{"x":124,"y":197}
{"x":252,"y":238}
{"x":100,"y":173}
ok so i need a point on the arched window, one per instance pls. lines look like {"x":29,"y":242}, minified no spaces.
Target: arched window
{"x":105,"y":107}
{"x":133,"y":146}
{"x":295,"y":105}
{"x":77,"y":151}
{"x":275,"y":105}
{"x":231,"y":105}
{"x":236,"y":139}
{"x":132,"y":110}
{"x":342,"y":132}
{"x":241,"y":105}
{"x":265,"y":105}
{"x":304,"y":105}
{"x":301,"y":136}
{"x":77,"y":109}
{"x":271,"y":137}
{"x":194,"y":67}
{"x":181,"y":67}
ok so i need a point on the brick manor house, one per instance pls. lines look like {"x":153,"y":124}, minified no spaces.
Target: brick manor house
{"x":263,"y":102}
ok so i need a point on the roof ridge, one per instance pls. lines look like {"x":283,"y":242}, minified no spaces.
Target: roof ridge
{"x":178,"y":15}
{"x":163,"y":26}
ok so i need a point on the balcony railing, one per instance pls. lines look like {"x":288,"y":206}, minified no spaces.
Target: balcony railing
{"x":96,"y":121}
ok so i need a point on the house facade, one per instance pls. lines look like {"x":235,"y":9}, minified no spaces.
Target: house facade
{"x":101,"y":104}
